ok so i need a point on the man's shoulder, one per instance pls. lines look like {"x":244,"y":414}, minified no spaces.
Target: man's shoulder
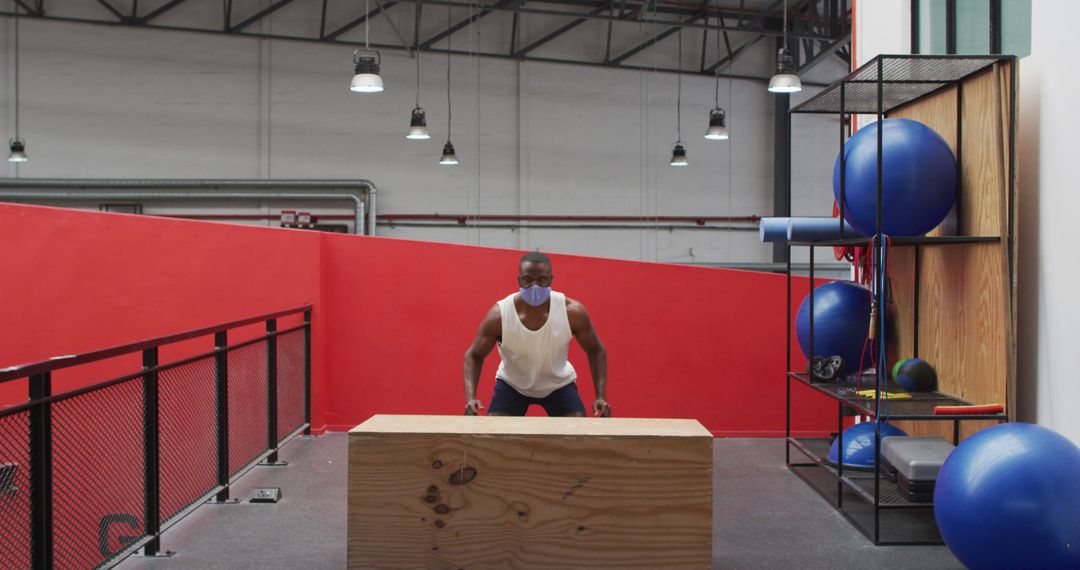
{"x":575,"y":306}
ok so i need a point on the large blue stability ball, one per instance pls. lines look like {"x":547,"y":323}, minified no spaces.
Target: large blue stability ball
{"x":841,"y":323}
{"x":859,"y":444}
{"x":1009,"y":497}
{"x":918,"y":185}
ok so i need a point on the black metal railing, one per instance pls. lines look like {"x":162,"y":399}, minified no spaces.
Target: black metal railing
{"x":91,"y":475}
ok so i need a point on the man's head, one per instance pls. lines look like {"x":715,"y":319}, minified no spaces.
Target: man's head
{"x":534,"y":269}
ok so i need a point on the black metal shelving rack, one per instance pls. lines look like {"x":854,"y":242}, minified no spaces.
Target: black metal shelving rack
{"x":868,"y":498}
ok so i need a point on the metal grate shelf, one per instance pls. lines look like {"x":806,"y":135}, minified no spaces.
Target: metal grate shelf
{"x":919,"y":407}
{"x":903,"y":79}
{"x":859,"y":480}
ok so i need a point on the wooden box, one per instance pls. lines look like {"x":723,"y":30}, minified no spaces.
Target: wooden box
{"x":534,"y":492}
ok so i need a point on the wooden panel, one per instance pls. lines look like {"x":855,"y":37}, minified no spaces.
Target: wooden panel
{"x":966,"y":318}
{"x":529,"y":493}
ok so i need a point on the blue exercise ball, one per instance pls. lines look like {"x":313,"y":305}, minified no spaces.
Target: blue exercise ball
{"x":1009,"y":497}
{"x":915,"y":375}
{"x":918,"y":184}
{"x":841,"y":323}
{"x":859,"y":444}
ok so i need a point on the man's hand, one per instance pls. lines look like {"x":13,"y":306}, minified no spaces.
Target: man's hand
{"x":473,"y":407}
{"x":601,"y":408}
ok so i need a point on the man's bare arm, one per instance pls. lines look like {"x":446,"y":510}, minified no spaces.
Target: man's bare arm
{"x":585,"y":333}
{"x":486,"y":337}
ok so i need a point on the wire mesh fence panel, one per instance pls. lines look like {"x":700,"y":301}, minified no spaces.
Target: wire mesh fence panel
{"x":247,"y":405}
{"x":187,"y":412}
{"x":290,"y":382}
{"x":98,"y":474}
{"x":15,"y":490}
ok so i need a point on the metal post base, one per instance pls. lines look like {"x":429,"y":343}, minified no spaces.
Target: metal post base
{"x":273,"y":464}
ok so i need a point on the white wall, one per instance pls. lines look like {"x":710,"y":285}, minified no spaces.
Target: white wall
{"x":533,"y":138}
{"x":1048,"y":205}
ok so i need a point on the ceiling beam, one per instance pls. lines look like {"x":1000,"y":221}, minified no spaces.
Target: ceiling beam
{"x":359,"y":20}
{"x":119,"y":15}
{"x":629,"y":18}
{"x":474,"y":16}
{"x":158,"y":11}
{"x":262,"y":14}
{"x":825,"y":53}
{"x":730,"y":58}
{"x":652,"y":41}
{"x":558,"y":32}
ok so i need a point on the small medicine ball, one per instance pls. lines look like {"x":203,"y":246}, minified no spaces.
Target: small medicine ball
{"x":915,"y":375}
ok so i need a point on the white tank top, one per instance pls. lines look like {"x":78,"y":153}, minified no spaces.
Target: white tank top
{"x":534,"y":362}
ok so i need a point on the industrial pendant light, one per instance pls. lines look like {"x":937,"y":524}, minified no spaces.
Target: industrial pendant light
{"x":418,"y":123}
{"x":17,"y":145}
{"x":366,"y":79}
{"x":449,"y":157}
{"x":785,"y":80}
{"x":717,"y":130}
{"x":678,"y":154}
{"x":18,"y":150}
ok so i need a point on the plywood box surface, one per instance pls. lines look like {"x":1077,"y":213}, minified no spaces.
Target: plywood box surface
{"x":496,"y":492}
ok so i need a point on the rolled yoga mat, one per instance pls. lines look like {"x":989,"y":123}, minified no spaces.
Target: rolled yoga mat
{"x":773,"y":229}
{"x":803,"y":229}
{"x":818,"y":229}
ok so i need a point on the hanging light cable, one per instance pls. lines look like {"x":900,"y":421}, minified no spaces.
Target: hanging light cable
{"x":418,"y":123}
{"x":366,"y":63}
{"x":17,"y":145}
{"x":449,"y":157}
{"x":785,"y":80}
{"x":717,"y":130}
{"x":678,"y":154}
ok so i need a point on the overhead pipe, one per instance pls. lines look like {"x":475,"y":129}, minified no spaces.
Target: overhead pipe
{"x":513,"y":226}
{"x":196,"y":189}
{"x":462,"y":219}
{"x":638,"y":224}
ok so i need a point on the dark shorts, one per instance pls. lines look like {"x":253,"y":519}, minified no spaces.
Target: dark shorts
{"x":509,"y":401}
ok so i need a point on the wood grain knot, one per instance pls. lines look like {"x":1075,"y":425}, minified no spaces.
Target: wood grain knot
{"x":440,"y":524}
{"x":575,"y":487}
{"x":433,"y":489}
{"x":436,"y":464}
{"x":462,"y":476}
{"x":431,"y":498}
{"x":442,"y":509}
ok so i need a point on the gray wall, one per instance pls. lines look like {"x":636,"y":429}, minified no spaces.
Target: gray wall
{"x":533,"y":138}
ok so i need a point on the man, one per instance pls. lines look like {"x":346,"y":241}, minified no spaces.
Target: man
{"x":532,"y":328}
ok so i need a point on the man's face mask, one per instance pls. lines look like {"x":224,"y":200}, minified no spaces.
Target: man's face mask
{"x":535,"y":295}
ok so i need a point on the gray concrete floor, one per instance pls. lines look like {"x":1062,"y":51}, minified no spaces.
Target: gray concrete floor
{"x":765,"y":517}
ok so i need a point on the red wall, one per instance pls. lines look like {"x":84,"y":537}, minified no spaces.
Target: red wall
{"x":683,"y":342}
{"x":392,"y":317}
{"x":76,"y":281}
